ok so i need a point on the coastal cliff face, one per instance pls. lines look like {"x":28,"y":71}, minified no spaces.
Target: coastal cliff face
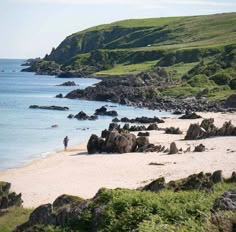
{"x":197,"y":53}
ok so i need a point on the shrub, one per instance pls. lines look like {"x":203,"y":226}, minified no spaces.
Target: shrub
{"x":232,"y":84}
{"x":221,"y":78}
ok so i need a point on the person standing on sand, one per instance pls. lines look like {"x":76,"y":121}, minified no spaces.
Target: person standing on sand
{"x":65,"y":141}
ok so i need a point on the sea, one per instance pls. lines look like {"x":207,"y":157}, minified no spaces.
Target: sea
{"x":28,"y":134}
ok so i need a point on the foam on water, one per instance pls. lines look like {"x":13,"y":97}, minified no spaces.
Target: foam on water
{"x":26,"y":134}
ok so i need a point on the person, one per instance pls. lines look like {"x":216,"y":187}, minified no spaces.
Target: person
{"x":65,"y":141}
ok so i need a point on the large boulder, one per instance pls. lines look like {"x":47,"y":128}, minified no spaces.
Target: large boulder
{"x":190,"y":115}
{"x":173,"y":148}
{"x":49,"y":107}
{"x":227,"y":130}
{"x":156,"y":185}
{"x":83,"y":116}
{"x":142,"y":141}
{"x":199,"y":148}
{"x":195,"y":132}
{"x":95,"y":144}
{"x":68,"y":83}
{"x":103,"y":111}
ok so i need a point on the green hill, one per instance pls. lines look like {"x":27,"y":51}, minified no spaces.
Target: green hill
{"x":184,"y":46}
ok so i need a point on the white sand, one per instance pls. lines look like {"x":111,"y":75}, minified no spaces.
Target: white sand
{"x":74,"y":172}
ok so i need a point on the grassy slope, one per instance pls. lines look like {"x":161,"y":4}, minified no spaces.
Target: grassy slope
{"x":14,"y":217}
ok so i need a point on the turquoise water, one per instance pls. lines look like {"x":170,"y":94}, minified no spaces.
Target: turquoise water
{"x":26,"y":134}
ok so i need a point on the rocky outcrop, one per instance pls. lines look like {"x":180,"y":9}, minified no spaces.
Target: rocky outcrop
{"x":60,"y":95}
{"x":68,"y":83}
{"x":49,"y":107}
{"x":8,"y":198}
{"x":103,"y":111}
{"x":83,"y":116}
{"x":142,"y":120}
{"x":143,"y":134}
{"x":207,"y":129}
{"x":64,"y":210}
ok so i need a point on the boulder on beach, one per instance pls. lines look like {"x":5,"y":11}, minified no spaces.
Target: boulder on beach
{"x":173,"y":149}
{"x":190,"y":115}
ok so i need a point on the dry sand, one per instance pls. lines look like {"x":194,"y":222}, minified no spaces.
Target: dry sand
{"x":74,"y":172}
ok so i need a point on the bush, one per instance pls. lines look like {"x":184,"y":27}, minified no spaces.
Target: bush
{"x":232,"y":84}
{"x":200,"y":81}
{"x":221,"y":78}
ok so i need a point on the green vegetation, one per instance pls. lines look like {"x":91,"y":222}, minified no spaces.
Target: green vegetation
{"x":13,"y":217}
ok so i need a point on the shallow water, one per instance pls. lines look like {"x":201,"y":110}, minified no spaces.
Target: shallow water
{"x":26,"y":134}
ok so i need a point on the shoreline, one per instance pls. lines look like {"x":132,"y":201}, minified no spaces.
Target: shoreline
{"x":77,"y":173}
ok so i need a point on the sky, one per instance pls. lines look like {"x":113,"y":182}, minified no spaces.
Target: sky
{"x":31,"y":28}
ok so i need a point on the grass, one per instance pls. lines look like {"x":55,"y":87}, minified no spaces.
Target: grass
{"x":124,"y":69}
{"x":15,"y":216}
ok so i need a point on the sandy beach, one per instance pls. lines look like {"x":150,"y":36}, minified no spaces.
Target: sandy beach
{"x":77,"y":173}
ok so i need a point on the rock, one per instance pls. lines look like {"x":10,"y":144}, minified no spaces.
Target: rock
{"x":68,"y":83}
{"x":200,"y":148}
{"x":115,"y":120}
{"x":209,"y":127}
{"x":156,"y":185}
{"x":83,"y":116}
{"x":227,"y":201}
{"x":113,"y":126}
{"x":195,"y":132}
{"x":95,"y":144}
{"x":126,"y":127}
{"x":217,"y":177}
{"x":173,"y":149}
{"x":143,"y":134}
{"x":152,"y":127}
{"x":49,"y":107}
{"x":142,"y":141}
{"x":59,"y":95}
{"x":177,"y":112}
{"x":173,"y":130}
{"x":231,"y":101}
{"x":190,"y":115}
{"x":65,"y":200}
{"x":137,"y":128}
{"x":105,"y":133}
{"x":70,"y":116}
{"x":54,"y":126}
{"x":103,"y":111}
{"x":227,"y":130}
{"x":142,"y":120}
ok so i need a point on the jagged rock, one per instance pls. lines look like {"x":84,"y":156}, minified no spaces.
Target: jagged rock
{"x":217,"y":177}
{"x":115,"y":120}
{"x":66,"y":199}
{"x":105,"y":134}
{"x":113,"y":126}
{"x":137,"y":128}
{"x":173,"y":130}
{"x":59,"y":95}
{"x":142,"y":141}
{"x":103,"y":111}
{"x":143,"y":120}
{"x":227,"y":201}
{"x":83,"y":116}
{"x":156,"y":185}
{"x":190,"y":115}
{"x":49,"y":107}
{"x":173,"y":149}
{"x":126,"y":126}
{"x":143,"y":134}
{"x":95,"y":144}
{"x":200,"y":148}
{"x":195,"y":132}
{"x":209,"y":127}
{"x":152,"y":127}
{"x":68,"y":83}
{"x":70,"y":116}
{"x":227,"y":130}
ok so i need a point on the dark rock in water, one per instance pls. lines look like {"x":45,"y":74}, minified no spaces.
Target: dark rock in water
{"x":54,"y":126}
{"x":48,"y":107}
{"x":103,"y":111}
{"x":59,"y":95}
{"x":217,"y":177}
{"x":173,"y":130}
{"x":70,"y":116}
{"x":83,"y":116}
{"x":95,"y":144}
{"x":126,"y":126}
{"x":156,"y":185}
{"x":143,"y":120}
{"x":8,"y":198}
{"x":227,"y":201}
{"x":143,"y":134}
{"x":68,"y":83}
{"x":199,"y":148}
{"x":142,"y":141}
{"x":190,"y":115}
{"x":173,"y":149}
{"x":152,"y":126}
{"x":115,"y":120}
{"x":195,"y":132}
{"x":231,"y":101}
